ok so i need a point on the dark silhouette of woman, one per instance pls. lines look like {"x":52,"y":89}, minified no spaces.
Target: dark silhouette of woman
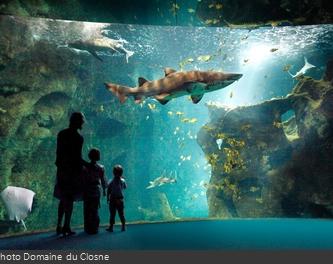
{"x":69,"y":164}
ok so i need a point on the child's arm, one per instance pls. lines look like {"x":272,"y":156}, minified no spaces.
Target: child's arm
{"x":124,"y":184}
{"x":108,"y":193}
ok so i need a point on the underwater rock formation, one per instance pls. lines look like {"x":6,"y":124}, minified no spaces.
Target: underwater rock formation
{"x":158,"y":210}
{"x":265,"y":167}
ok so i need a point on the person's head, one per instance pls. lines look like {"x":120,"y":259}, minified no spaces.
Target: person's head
{"x":76,"y":120}
{"x":118,"y":171}
{"x":94,"y":154}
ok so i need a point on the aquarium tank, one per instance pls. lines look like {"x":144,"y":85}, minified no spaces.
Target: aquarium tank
{"x":215,"y":109}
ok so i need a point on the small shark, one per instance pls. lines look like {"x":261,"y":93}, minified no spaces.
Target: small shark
{"x":302,"y":71}
{"x":163,"y":179}
{"x":159,"y":181}
{"x":175,"y":84}
{"x":102,"y":44}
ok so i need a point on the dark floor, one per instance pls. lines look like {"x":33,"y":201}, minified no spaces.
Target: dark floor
{"x":252,"y":234}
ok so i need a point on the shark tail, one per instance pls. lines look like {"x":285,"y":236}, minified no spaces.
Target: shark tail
{"x":118,"y":91}
{"x":309,"y":65}
{"x":128,"y":54}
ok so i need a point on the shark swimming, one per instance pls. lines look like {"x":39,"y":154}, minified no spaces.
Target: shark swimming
{"x":160,"y":181}
{"x":302,"y":71}
{"x":175,"y":84}
{"x":101,"y":44}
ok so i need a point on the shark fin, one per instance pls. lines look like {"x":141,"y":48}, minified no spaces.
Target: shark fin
{"x":163,"y":102}
{"x":162,"y":98}
{"x":168,"y":71}
{"x":95,"y":55}
{"x":141,"y":81}
{"x":196,"y":98}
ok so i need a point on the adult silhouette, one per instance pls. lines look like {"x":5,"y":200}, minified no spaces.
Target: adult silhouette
{"x":69,"y":164}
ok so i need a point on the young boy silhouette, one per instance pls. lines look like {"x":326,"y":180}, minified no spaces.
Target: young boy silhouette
{"x":115,"y":197}
{"x":93,"y":182}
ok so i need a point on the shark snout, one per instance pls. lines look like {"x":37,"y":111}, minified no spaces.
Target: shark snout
{"x":235,"y":76}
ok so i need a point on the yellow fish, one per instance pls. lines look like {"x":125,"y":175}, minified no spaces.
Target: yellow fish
{"x":208,"y":21}
{"x":178,"y":113}
{"x":189,"y":120}
{"x":193,"y":120}
{"x":191,"y":10}
{"x":211,"y":5}
{"x":277,"y":124}
{"x":183,"y":158}
{"x":218,"y":6}
{"x":152,"y":106}
{"x":185,"y":62}
{"x":170,"y":113}
{"x":204,"y":58}
{"x":207,"y":128}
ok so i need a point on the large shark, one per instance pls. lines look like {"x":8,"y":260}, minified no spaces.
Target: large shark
{"x":175,"y":84}
{"x":102,"y":44}
{"x":302,"y":71}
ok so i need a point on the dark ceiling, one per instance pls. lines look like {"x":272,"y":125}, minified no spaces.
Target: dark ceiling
{"x":233,"y":13}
